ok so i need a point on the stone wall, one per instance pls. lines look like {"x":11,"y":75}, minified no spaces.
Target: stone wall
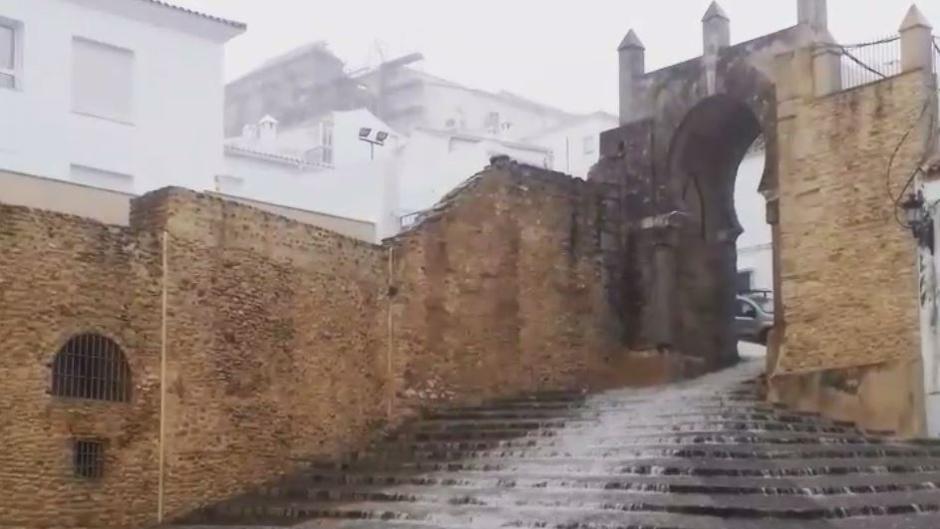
{"x":847,"y":268}
{"x":285,"y":343}
{"x":500,"y":289}
{"x":270,"y":354}
{"x":271,"y":345}
{"x":60,"y":276}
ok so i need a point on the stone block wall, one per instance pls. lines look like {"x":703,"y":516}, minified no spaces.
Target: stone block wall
{"x":60,"y":276}
{"x":285,"y":343}
{"x":501,"y":289}
{"x":847,"y":268}
{"x":271,"y":345}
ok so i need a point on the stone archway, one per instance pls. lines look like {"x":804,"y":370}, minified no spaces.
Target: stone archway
{"x":704,"y":155}
{"x":668,"y":175}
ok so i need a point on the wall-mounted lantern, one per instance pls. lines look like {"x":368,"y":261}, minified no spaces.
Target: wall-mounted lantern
{"x":919,"y":220}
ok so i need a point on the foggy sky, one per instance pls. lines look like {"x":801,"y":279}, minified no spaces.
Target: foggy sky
{"x":560,"y":52}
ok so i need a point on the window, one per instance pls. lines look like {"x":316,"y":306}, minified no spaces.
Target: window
{"x":91,"y":366}
{"x":589,"y":145}
{"x":102,"y":80}
{"x":745,"y":310}
{"x":326,"y":142}
{"x":9,"y":53}
{"x":743,"y":281}
{"x":492,"y":122}
{"x":88,"y":458}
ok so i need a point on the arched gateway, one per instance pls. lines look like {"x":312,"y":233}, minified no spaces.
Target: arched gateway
{"x":670,"y":172}
{"x":840,"y":158}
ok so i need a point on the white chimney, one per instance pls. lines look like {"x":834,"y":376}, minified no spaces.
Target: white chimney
{"x":267,"y":130}
{"x":250,"y":132}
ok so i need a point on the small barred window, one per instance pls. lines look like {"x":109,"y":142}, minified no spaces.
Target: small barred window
{"x":91,"y":366}
{"x":88,"y":458}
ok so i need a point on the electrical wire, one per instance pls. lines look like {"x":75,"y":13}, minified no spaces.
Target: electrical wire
{"x":897,"y":199}
{"x":886,"y":40}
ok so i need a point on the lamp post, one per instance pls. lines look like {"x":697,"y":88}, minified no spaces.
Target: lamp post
{"x":373,"y":138}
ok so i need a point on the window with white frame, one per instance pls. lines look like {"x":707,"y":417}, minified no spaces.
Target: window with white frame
{"x":590,"y":145}
{"x":491,"y":123}
{"x":326,"y":141}
{"x":10,"y":53}
{"x":102,"y":80}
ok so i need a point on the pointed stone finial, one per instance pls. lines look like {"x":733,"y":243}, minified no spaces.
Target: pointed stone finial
{"x":631,"y":41}
{"x":716,"y":29}
{"x":632,"y":67}
{"x":813,"y":13}
{"x":715,"y":11}
{"x":916,"y":42}
{"x":915,"y":19}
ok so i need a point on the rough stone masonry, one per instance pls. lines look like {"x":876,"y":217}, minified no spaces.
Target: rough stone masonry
{"x":846,"y":338}
{"x":256,"y":343}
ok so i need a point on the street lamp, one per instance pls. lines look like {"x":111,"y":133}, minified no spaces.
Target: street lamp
{"x":373,"y":138}
{"x":919,"y":220}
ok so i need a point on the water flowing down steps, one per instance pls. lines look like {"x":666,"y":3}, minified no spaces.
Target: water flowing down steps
{"x":705,"y":454}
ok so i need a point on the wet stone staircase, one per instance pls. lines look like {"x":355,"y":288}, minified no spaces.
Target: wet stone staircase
{"x":706,"y":454}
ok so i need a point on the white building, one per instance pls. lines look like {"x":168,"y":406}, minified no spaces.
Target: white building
{"x":437,"y":161}
{"x":575,"y":143}
{"x":122,"y":95}
{"x":322,"y":166}
{"x":755,"y":245}
{"x":439,"y":134}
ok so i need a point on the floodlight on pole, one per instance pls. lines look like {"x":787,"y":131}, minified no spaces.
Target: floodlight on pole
{"x":373,"y":138}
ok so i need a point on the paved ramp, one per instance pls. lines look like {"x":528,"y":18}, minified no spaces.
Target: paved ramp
{"x":706,"y":454}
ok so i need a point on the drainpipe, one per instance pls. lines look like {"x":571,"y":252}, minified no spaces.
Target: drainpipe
{"x":391,"y":335}
{"x":161,"y":449}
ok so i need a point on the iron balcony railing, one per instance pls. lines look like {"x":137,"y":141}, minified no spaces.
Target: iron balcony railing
{"x":869,"y":62}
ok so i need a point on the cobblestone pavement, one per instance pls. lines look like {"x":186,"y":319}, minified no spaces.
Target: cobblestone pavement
{"x":705,"y":454}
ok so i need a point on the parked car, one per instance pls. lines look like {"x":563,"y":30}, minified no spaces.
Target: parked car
{"x":754,"y":317}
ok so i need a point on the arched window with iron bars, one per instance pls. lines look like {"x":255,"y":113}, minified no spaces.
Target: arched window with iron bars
{"x":91,"y":366}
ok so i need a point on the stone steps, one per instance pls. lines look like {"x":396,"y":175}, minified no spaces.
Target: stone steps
{"x":700,"y":455}
{"x":627,"y":425}
{"x":915,"y":521}
{"x":644,"y":452}
{"x":470,"y":509}
{"x":701,"y":436}
{"x":669,"y":466}
{"x":566,"y":493}
{"x":801,"y":486}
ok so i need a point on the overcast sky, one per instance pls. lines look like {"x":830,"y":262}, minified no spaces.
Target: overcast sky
{"x":560,"y":52}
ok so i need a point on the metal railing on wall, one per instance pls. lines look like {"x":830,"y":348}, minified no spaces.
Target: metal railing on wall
{"x":868,"y":62}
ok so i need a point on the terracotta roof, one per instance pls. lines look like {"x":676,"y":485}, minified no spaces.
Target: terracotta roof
{"x":233,"y":23}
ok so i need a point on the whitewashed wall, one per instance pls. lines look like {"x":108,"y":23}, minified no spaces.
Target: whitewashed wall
{"x":444,"y":102}
{"x":576,"y":148}
{"x":176,"y":134}
{"x":434,"y":163}
{"x":755,"y":251}
{"x":929,"y":272}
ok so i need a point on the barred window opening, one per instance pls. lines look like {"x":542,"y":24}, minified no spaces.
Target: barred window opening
{"x":88,"y":458}
{"x":91,"y":366}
